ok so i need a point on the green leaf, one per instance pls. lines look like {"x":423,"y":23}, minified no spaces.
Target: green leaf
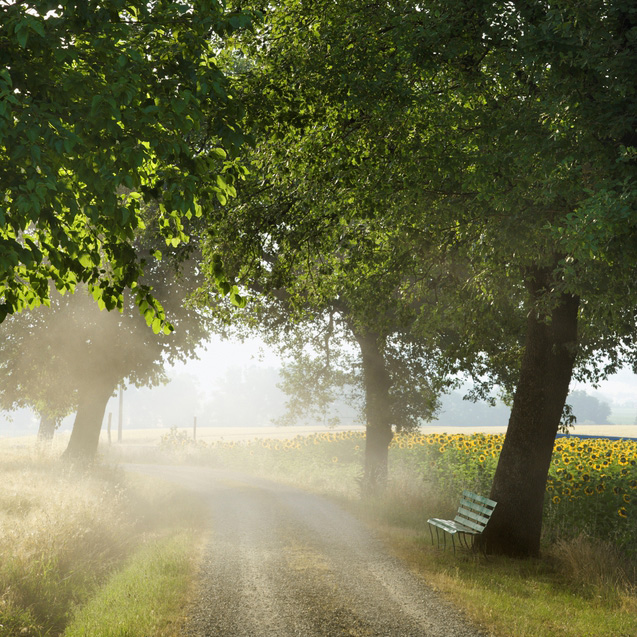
{"x":238,"y":300}
{"x":156,"y":325}
{"x":86,"y":261}
{"x":37,"y":26}
{"x":168,"y":329}
{"x":22,"y":33}
{"x":6,"y":76}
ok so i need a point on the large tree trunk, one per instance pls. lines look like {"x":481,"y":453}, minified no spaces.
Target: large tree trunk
{"x":520,"y":479}
{"x":93,"y":398}
{"x":377,"y":383}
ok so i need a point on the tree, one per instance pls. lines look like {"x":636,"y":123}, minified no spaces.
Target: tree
{"x":575,"y":244}
{"x":588,"y":408}
{"x":25,"y":381}
{"x":105,"y":105}
{"x":328,"y":224}
{"x":356,"y":281}
{"x":72,"y":356}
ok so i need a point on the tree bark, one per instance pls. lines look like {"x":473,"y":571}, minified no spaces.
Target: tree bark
{"x":93,"y":397}
{"x":46,"y":429}
{"x":520,"y":479}
{"x":377,"y":383}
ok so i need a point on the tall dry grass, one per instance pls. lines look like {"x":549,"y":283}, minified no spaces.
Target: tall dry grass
{"x":63,"y":529}
{"x":596,"y":568}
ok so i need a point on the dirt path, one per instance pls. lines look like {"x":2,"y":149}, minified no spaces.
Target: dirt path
{"x":282,"y":562}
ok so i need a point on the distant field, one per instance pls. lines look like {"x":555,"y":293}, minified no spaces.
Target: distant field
{"x":210,"y":434}
{"x":152,"y":437}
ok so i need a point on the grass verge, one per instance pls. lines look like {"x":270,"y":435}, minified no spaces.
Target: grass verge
{"x":146,"y":597}
{"x":519,"y":598}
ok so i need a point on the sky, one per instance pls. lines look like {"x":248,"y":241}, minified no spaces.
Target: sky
{"x":219,"y":356}
{"x":619,"y":390}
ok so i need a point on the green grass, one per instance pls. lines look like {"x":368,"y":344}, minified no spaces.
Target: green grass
{"x":519,"y":598}
{"x":146,"y":597}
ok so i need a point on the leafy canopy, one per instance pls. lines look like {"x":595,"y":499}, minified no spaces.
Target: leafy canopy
{"x":104,"y":105}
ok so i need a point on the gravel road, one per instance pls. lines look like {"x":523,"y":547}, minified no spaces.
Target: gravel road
{"x":283,"y":562}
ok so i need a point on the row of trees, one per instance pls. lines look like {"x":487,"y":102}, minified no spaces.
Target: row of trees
{"x":455,"y":180}
{"x":449,"y":186}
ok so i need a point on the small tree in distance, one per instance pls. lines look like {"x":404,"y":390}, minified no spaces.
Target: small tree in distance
{"x":72,"y":356}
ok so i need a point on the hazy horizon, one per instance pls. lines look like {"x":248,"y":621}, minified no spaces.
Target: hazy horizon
{"x":191,"y":392}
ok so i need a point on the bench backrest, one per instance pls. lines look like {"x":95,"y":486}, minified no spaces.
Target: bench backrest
{"x":474,"y":511}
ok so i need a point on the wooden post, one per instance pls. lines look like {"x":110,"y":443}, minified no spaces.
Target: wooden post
{"x":121,"y":412}
{"x":194,"y":430}
{"x":108,"y":427}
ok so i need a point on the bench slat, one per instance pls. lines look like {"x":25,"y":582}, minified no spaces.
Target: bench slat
{"x":476,"y":507}
{"x":470,"y":523}
{"x":451,"y":526}
{"x":476,"y":518}
{"x":480,"y":498}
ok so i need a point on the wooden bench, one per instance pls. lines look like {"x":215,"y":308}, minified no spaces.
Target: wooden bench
{"x":471,"y":519}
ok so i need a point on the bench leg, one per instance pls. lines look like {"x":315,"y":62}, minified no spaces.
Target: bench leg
{"x":466,"y":542}
{"x":444,"y":538}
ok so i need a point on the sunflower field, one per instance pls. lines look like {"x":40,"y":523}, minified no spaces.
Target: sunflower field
{"x":591,"y":488}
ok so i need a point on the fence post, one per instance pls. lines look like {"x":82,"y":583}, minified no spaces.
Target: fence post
{"x":121,"y":412}
{"x":108,"y":427}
